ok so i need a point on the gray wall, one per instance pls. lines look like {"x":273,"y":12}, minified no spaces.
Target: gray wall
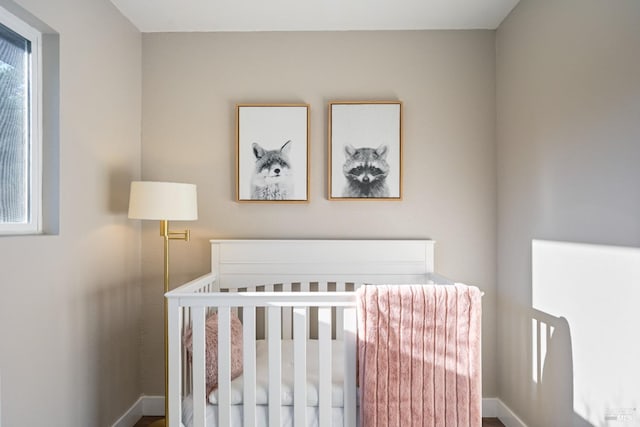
{"x":446,"y":81}
{"x":70,"y":305}
{"x":568,"y":114}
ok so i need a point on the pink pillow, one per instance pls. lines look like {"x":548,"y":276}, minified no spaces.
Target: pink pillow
{"x":211,"y":349}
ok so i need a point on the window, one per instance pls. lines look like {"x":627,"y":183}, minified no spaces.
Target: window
{"x":20,"y":136}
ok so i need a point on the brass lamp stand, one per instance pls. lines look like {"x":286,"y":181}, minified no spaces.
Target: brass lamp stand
{"x":167,"y":235}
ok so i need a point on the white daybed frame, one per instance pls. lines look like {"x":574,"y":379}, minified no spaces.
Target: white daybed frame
{"x":247,"y":263}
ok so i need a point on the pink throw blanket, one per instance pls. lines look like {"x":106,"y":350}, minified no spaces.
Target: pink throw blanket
{"x":419,"y":355}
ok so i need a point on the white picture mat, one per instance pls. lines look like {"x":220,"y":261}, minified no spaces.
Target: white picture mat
{"x":365,"y":125}
{"x":271,"y":127}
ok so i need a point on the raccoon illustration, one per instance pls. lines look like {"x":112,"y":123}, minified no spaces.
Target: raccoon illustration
{"x":366,"y":170}
{"x":272,"y":179}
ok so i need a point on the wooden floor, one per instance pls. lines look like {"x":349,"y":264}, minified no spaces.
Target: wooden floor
{"x":486,"y":422}
{"x":145,"y":421}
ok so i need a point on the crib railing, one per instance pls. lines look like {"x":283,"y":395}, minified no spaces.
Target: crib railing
{"x":286,"y":316}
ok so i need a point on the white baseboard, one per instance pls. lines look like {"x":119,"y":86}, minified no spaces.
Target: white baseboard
{"x":492,"y":407}
{"x":152,"y":406}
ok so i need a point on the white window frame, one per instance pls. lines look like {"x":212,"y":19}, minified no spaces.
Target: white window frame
{"x":34,"y":171}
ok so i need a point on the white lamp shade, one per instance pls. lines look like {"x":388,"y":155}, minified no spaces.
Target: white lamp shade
{"x":163,"y":201}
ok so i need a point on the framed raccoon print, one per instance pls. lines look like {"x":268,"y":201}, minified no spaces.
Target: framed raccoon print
{"x":365,"y":150}
{"x":272,"y":152}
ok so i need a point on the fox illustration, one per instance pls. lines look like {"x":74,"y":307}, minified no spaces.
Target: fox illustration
{"x":366,"y":171}
{"x":272,"y":178}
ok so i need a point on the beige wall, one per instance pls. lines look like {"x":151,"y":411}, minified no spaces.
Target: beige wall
{"x":70,"y":305}
{"x":568,"y":108}
{"x":567,"y":96}
{"x":191,"y":83}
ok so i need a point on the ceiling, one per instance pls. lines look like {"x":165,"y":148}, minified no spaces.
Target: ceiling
{"x":313,"y":15}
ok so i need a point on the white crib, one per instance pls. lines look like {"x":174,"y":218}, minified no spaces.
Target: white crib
{"x":299,"y":296}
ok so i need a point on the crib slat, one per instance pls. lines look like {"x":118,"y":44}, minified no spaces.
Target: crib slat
{"x":350,"y":366}
{"x":340,"y":287}
{"x":224,"y":366}
{"x":175,"y":359}
{"x":267,"y":288}
{"x":249,"y":365}
{"x":286,"y":315}
{"x":187,"y":385}
{"x":300,"y":366}
{"x":306,"y":287}
{"x":275,"y":367}
{"x":198,"y":362}
{"x":324,"y":367}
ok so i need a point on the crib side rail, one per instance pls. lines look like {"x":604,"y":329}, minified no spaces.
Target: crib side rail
{"x":270,"y":299}
{"x":298,"y":304}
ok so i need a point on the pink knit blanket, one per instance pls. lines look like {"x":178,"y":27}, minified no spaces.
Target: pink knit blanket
{"x":419,"y":355}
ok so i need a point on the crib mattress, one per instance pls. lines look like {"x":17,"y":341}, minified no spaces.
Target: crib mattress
{"x":262,"y":375}
{"x":262,"y":415}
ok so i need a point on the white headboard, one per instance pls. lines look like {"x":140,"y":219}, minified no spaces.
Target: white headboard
{"x":252,"y":262}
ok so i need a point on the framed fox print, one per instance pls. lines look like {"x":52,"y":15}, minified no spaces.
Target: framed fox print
{"x":365,"y":150}
{"x":272,"y":152}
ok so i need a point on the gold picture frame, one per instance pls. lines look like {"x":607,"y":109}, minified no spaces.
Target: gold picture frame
{"x":365,"y":150}
{"x":272,"y":153}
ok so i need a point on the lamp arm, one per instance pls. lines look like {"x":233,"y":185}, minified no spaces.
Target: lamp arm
{"x":173,"y":235}
{"x":180,"y":235}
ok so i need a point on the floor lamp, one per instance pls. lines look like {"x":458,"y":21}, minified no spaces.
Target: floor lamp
{"x":164,"y":202}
